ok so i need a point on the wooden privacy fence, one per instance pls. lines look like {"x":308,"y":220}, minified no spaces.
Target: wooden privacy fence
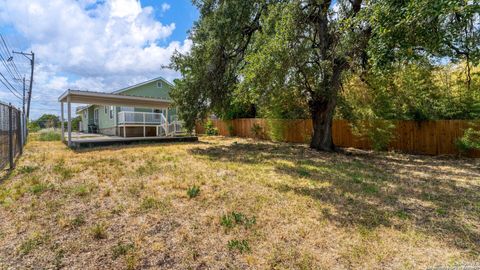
{"x":417,"y":137}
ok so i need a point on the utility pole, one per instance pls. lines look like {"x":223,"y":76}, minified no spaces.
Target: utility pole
{"x":30,"y":56}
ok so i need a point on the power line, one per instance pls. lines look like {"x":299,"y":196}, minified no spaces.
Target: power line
{"x":10,"y":58}
{"x":13,"y":92}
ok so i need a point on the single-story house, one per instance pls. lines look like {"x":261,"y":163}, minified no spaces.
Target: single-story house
{"x":142,"y":120}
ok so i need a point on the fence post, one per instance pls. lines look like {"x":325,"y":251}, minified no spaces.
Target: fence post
{"x":19,"y":132}
{"x":10,"y":136}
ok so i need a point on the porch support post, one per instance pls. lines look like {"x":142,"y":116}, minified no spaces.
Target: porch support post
{"x":124,"y":131}
{"x":62,"y":119}
{"x":69,"y":119}
{"x":144,"y":125}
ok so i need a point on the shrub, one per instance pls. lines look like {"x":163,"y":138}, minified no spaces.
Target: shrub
{"x":379,"y":132}
{"x":257,"y":131}
{"x":276,"y":130}
{"x":210,"y":129}
{"x":469,"y":141}
{"x":49,"y":135}
{"x":193,"y":191}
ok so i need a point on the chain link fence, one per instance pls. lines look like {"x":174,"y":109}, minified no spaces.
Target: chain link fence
{"x":12,"y":134}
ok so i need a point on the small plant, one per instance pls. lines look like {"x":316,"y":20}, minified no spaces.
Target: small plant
{"x":81,"y":190}
{"x":27,"y":169}
{"x":59,"y":168}
{"x":38,"y":188}
{"x":240,"y":245}
{"x":193,"y":191}
{"x":226,"y":221}
{"x":99,"y":231}
{"x":231,"y":130}
{"x":35,"y":240}
{"x":149,"y":203}
{"x":122,"y":249}
{"x":210,"y":129}
{"x":77,"y":221}
{"x":257,"y":131}
{"x":236,"y":218}
{"x":469,"y":141}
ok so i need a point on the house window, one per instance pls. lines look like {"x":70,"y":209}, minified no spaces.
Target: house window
{"x":95,"y":116}
{"x":105,"y":109}
{"x":85,"y":114}
{"x":159,"y":84}
{"x":111,"y":112}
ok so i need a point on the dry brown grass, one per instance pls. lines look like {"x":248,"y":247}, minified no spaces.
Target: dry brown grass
{"x":261,"y":205}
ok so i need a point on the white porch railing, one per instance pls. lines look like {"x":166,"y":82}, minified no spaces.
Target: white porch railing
{"x":164,"y":128}
{"x":141,"y":118}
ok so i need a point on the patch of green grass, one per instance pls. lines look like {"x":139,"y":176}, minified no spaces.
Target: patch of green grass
{"x":77,"y":221}
{"x":49,"y":135}
{"x":122,"y":249}
{"x":27,"y":169}
{"x":81,"y":190}
{"x":64,"y":172}
{"x":150,"y":203}
{"x":193,"y":191}
{"x":240,"y":245}
{"x":149,"y":168}
{"x":370,"y":189}
{"x":39,"y":188}
{"x":441,"y":211}
{"x":98,"y":231}
{"x":32,"y":242}
{"x":402,"y":214}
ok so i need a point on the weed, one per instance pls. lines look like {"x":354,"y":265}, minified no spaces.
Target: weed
{"x":122,"y":249}
{"x":27,"y":169}
{"x":370,"y":189}
{"x":193,"y":191}
{"x":240,"y":245}
{"x":77,"y":221}
{"x":39,"y":188}
{"x":236,"y":218}
{"x":59,"y":168}
{"x":81,"y":190}
{"x":35,"y":240}
{"x":99,"y":231}
{"x":147,"y":169}
{"x":226,"y":221}
{"x":49,"y":135}
{"x":149,"y":203}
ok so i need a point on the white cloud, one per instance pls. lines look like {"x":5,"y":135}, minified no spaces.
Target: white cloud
{"x":89,"y":45}
{"x":165,"y":7}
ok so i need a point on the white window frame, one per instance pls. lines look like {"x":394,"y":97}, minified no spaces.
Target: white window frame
{"x":159,"y":84}
{"x":105,"y":109}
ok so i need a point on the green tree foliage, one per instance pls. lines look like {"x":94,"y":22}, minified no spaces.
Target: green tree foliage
{"x":289,"y":57}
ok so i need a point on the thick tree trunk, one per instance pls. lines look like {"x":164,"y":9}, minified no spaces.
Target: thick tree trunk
{"x":322,"y":118}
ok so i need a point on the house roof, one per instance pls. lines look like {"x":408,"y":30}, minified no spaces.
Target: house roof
{"x":140,"y":84}
{"x":81,"y":96}
{"x":118,"y":92}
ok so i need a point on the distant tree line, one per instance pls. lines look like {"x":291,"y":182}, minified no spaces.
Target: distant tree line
{"x":50,"y":121}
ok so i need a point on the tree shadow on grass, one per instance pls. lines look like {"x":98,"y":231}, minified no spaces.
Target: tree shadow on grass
{"x":439,"y":196}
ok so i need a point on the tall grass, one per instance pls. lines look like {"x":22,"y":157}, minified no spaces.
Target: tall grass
{"x":49,"y":135}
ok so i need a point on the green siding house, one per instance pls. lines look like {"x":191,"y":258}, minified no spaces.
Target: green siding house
{"x":131,"y":121}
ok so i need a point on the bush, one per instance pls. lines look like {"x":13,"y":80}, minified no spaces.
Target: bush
{"x":379,"y":132}
{"x":277,"y":129}
{"x":210,"y":129}
{"x":469,"y":141}
{"x":49,"y":135}
{"x":257,"y":131}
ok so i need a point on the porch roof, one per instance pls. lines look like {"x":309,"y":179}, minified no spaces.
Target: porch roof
{"x":101,"y":98}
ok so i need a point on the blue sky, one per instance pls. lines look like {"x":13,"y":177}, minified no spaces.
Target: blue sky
{"x":98,"y":45}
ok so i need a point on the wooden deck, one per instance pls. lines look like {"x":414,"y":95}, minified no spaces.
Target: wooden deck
{"x":81,"y":142}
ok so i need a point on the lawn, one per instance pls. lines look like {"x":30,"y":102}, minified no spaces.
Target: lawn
{"x":230,"y":203}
